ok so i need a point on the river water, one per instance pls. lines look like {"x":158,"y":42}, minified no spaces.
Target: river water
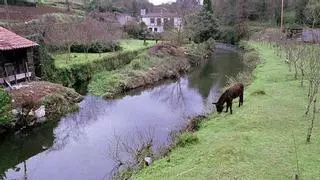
{"x":87,"y":144}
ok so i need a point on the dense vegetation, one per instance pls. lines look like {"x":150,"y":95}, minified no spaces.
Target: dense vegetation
{"x":5,"y":106}
{"x":96,"y":47}
{"x":230,"y":21}
{"x":129,"y":6}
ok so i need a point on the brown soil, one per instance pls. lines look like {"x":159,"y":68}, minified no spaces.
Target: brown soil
{"x":24,"y":13}
{"x":32,"y":94}
{"x":167,"y":48}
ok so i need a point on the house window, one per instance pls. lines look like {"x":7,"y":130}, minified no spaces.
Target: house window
{"x":158,"y":21}
{"x":152,"y":20}
{"x":155,"y":29}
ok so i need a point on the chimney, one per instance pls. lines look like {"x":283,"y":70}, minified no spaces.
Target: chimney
{"x":143,"y":12}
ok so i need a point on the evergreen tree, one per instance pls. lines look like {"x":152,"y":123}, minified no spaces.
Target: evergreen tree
{"x":207,"y":5}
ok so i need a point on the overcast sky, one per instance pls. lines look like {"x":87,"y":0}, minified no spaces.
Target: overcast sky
{"x":157,"y":2}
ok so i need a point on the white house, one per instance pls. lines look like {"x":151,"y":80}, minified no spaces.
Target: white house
{"x":159,"y":22}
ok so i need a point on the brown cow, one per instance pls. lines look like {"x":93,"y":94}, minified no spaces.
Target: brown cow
{"x":233,"y":92}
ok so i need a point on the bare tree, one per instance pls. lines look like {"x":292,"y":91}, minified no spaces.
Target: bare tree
{"x":64,"y":35}
{"x":68,"y":5}
{"x":129,"y":151}
{"x":183,"y":9}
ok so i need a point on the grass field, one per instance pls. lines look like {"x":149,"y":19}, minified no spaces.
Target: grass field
{"x":61,"y":59}
{"x":264,"y":139}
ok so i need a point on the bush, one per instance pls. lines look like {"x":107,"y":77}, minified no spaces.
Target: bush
{"x":5,"y":104}
{"x":58,"y":105}
{"x":203,"y":26}
{"x":228,"y":35}
{"x":133,"y":29}
{"x":96,"y":47}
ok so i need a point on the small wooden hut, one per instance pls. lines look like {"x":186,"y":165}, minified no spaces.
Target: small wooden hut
{"x":16,"y":58}
{"x":311,"y":35}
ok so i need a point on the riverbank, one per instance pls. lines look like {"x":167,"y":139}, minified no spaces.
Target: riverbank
{"x":163,"y":61}
{"x":29,"y":104}
{"x":264,"y":139}
{"x":78,"y":71}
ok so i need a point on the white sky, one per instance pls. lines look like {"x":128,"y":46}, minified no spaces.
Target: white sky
{"x":157,"y":2}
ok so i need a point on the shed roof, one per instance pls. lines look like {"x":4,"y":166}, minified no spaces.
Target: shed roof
{"x":10,"y":40}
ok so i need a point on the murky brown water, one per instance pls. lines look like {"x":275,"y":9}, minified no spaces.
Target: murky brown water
{"x":82,"y":145}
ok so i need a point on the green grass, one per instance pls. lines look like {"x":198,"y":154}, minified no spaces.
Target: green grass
{"x":61,"y":59}
{"x":256,"y":142}
{"x":109,"y":83}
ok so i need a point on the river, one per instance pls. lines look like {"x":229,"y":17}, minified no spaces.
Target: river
{"x":84,"y":145}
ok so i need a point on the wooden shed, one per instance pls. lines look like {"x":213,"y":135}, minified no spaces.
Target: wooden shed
{"x":16,"y":57}
{"x":311,"y":35}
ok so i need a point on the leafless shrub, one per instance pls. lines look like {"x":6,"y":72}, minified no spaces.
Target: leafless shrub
{"x":306,"y":62}
{"x":128,"y":152}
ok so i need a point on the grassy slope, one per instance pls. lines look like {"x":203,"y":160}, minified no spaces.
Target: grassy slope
{"x":142,"y":70}
{"x":82,"y":58}
{"x":256,"y":142}
{"x":108,"y":82}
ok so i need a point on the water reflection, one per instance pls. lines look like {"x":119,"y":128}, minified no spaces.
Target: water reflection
{"x":104,"y":133}
{"x":72,"y":129}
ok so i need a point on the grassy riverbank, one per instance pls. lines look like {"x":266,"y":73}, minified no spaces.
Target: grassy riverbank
{"x":80,"y":69}
{"x":264,"y":139}
{"x":163,"y":61}
{"x":128,"y":45}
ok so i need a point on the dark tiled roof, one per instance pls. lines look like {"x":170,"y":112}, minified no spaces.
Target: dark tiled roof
{"x":9,"y":40}
{"x":160,"y":15}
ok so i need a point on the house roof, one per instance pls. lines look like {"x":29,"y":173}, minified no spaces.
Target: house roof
{"x":10,"y":40}
{"x":161,"y":15}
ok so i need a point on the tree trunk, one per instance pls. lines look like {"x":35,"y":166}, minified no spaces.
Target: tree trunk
{"x":69,"y":53}
{"x":6,"y":9}
{"x":302,"y":77}
{"x":312,"y":120}
{"x":295,"y":70}
{"x":68,"y":5}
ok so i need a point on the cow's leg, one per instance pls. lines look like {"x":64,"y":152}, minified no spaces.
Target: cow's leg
{"x":241,"y":99}
{"x":227,"y":107}
{"x":230,"y":107}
